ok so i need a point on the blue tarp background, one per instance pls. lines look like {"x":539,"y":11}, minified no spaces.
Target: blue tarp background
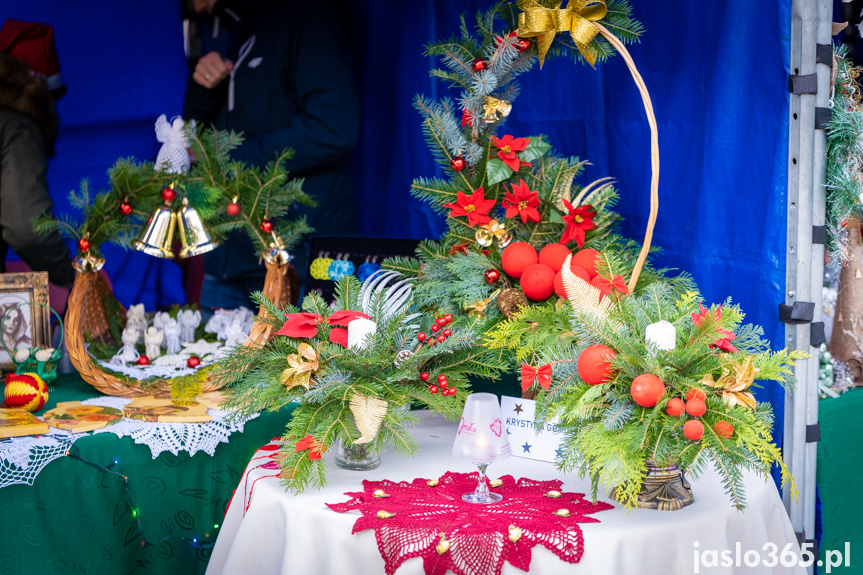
{"x":717,"y":74}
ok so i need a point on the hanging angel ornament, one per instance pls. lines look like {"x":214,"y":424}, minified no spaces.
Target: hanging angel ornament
{"x":173,"y":156}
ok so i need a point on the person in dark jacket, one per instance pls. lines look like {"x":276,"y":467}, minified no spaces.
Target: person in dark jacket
{"x":28,"y":128}
{"x":285,"y":83}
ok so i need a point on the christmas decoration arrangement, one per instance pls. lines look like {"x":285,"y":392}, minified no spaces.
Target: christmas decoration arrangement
{"x":355,"y":367}
{"x":146,"y":208}
{"x":427,"y":518}
{"x":513,"y":210}
{"x":654,"y":385}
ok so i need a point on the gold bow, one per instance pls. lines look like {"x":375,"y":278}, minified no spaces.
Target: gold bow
{"x":577,"y":19}
{"x":734,"y":382}
{"x":300,"y":372}
{"x":486,"y":234}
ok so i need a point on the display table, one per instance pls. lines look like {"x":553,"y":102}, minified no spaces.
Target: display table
{"x":283,"y":533}
{"x":75,"y":518}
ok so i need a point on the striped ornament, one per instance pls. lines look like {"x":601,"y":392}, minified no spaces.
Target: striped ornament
{"x":25,"y":391}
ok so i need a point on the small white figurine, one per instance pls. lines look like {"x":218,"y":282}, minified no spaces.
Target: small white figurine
{"x":173,"y":156}
{"x":159,"y":319}
{"x":130,"y":340}
{"x":172,"y":360}
{"x":153,"y":342}
{"x":172,"y":336}
{"x":236,"y":335}
{"x":136,"y":319}
{"x":189,"y":322}
{"x":44,"y":354}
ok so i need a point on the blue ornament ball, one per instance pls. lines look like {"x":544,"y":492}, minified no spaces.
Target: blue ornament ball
{"x":366,"y":270}
{"x":340,"y":268}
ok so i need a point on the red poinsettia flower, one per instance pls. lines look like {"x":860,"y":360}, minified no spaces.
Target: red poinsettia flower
{"x":521,"y":202}
{"x":305,"y":325}
{"x":466,"y":118}
{"x":460,"y":248}
{"x":508,"y":147}
{"x":474,"y":206}
{"x":578,"y":221}
{"x":724,"y":341}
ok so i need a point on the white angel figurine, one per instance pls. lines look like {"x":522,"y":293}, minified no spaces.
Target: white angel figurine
{"x":128,"y":352}
{"x":159,"y":319}
{"x":153,"y":342}
{"x":173,"y":156}
{"x":172,"y":336}
{"x":189,"y":322}
{"x":236,"y":335}
{"x":219,"y":323}
{"x":136,"y":319}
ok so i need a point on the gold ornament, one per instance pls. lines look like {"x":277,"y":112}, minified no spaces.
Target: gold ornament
{"x":494,"y":109}
{"x":87,"y":263}
{"x":514,"y":533}
{"x":562,"y":512}
{"x":510,"y":301}
{"x":486,"y":234}
{"x":278,"y":254}
{"x":577,"y":19}
{"x":432,"y":482}
{"x":158,"y":236}
{"x":300,"y":372}
{"x":194,"y":236}
{"x":477,"y":309}
{"x":495,"y":483}
{"x":368,"y":413}
{"x":380,"y":493}
{"x":443,"y":545}
{"x":734,"y":381}
{"x":385,"y":514}
{"x":553,"y":494}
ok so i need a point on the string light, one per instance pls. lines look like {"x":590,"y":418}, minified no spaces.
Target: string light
{"x":205,"y":543}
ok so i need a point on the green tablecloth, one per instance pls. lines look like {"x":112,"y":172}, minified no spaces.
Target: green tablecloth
{"x":76,"y":518}
{"x":840,"y":474}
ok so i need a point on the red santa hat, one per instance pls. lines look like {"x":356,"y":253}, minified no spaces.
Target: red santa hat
{"x":33,"y":44}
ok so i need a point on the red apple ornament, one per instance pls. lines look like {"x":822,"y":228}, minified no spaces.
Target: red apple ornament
{"x":558,"y":280}
{"x":537,"y":282}
{"x":594,"y":364}
{"x":553,"y":255}
{"x":693,"y":430}
{"x":695,"y":393}
{"x":675,"y":407}
{"x":723,"y":429}
{"x":516,"y":257}
{"x":586,"y":260}
{"x":143,"y":360}
{"x":647,"y":390}
{"x":696,"y":407}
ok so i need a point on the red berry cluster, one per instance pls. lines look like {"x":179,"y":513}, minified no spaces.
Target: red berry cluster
{"x":439,"y":331}
{"x":442,"y":384}
{"x":695,"y":406}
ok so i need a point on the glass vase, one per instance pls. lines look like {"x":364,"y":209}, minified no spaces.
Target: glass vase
{"x":357,"y":456}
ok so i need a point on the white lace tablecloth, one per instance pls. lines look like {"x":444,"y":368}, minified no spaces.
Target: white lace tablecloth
{"x":23,"y":458}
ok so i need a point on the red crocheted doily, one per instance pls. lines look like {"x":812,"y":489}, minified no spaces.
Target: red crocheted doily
{"x":478,"y":534}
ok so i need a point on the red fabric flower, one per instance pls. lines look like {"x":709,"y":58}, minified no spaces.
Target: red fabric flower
{"x":508,"y":147}
{"x":608,"y":285}
{"x":315,"y":448}
{"x":521,"y":202}
{"x":460,"y":248}
{"x":578,"y":221}
{"x":466,"y":118}
{"x":475,"y":207}
{"x":305,"y":325}
{"x":723,"y":342}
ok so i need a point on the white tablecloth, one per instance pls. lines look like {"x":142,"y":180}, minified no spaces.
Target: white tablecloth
{"x":286,"y":534}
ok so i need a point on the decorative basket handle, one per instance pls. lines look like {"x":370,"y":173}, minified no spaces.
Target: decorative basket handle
{"x":56,"y":355}
{"x":654,"y":151}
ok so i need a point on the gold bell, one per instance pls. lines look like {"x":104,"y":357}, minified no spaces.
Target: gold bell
{"x":159,"y":234}
{"x":194,"y":236}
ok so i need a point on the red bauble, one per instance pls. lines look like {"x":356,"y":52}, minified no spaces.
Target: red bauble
{"x":193,"y":362}
{"x":421,"y":336}
{"x":586,"y":260}
{"x":723,"y":429}
{"x":424,"y":376}
{"x":83,"y":245}
{"x":594,"y":364}
{"x":696,"y":407}
{"x":143,"y":360}
{"x":441,"y":378}
{"x":441,"y":338}
{"x":267,"y":225}
{"x":522,"y":44}
{"x":433,"y":389}
{"x":447,"y":332}
{"x":448,"y":317}
{"x":558,"y":280}
{"x":675,"y":407}
{"x":168,"y":195}
{"x":125,"y":208}
{"x":537,"y":282}
{"x":457,"y":163}
{"x":693,"y":430}
{"x":647,"y":390}
{"x":695,"y":393}
{"x":479,"y":65}
{"x":233,"y":209}
{"x":516,"y":257}
{"x":435,"y":327}
{"x":553,"y":255}
{"x":491,"y":276}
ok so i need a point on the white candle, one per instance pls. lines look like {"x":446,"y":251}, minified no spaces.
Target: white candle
{"x":358,"y":329}
{"x":661,"y":334}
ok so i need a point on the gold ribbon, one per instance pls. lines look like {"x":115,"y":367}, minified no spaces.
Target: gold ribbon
{"x":577,"y":18}
{"x":486,"y":234}
{"x":300,"y":372}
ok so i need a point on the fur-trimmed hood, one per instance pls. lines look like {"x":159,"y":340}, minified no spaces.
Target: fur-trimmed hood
{"x":28,"y":95}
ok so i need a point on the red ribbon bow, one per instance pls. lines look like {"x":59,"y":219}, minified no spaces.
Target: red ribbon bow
{"x":606,"y":286}
{"x":531,"y":374}
{"x":308,"y":442}
{"x":305,"y":325}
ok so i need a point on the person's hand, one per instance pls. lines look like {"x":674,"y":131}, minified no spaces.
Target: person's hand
{"x":211,"y":70}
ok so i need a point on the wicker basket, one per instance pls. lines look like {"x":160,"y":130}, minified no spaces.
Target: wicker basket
{"x":90,"y":299}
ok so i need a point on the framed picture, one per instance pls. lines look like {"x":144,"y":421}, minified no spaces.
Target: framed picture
{"x":23,"y":326}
